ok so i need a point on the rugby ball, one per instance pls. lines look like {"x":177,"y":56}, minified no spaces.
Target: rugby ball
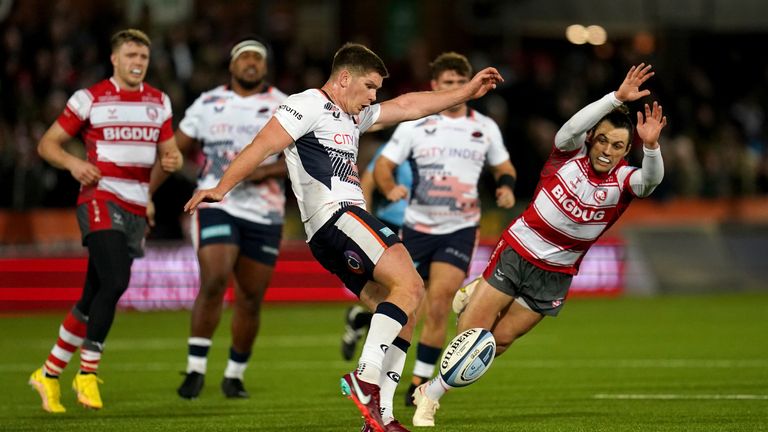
{"x":467,"y":357}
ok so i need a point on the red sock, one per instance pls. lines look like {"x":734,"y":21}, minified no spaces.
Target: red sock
{"x":89,"y":360}
{"x":71,"y":335}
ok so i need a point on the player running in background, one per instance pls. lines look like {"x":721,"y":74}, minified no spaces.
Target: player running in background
{"x":319,"y":131}
{"x":241,"y":234}
{"x":125,"y":125}
{"x":447,"y":152}
{"x":585,"y":186}
{"x":357,"y":317}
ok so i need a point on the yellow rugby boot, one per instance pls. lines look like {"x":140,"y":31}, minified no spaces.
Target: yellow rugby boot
{"x":49,"y":390}
{"x":87,"y":388}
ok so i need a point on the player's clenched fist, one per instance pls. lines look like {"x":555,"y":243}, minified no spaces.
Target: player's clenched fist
{"x":171,"y":161}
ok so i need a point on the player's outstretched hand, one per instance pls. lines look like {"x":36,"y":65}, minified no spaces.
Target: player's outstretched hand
{"x":484,"y":81}
{"x":629,"y":90}
{"x":203,"y":195}
{"x":649,"y":126}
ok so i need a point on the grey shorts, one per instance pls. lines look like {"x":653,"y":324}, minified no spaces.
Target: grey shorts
{"x":540,"y":290}
{"x":97,"y":215}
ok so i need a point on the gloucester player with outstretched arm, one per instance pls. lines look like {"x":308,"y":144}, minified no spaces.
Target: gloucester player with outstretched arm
{"x":585,"y":186}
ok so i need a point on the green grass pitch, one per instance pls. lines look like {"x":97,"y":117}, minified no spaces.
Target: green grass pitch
{"x":682,"y":363}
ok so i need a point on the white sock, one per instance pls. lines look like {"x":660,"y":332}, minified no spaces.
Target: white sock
{"x":436,"y":388}
{"x":392,"y":369}
{"x":421,"y":369}
{"x":198,"y":362}
{"x":382,"y":332}
{"x":235,"y":369}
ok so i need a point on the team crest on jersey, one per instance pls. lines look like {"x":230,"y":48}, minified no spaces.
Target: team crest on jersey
{"x":152,"y":113}
{"x":600,"y":194}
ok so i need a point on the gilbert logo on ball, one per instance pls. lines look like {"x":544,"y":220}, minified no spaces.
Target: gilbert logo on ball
{"x":467,"y":357}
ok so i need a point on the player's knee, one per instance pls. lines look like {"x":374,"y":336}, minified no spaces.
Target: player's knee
{"x":212,"y":287}
{"x":438,"y":316}
{"x":250,"y":303}
{"x":414,"y":288}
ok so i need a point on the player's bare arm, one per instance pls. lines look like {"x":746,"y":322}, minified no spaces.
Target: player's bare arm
{"x":368,"y":185}
{"x":270,"y":140}
{"x":411,"y":106}
{"x":184,"y":142}
{"x":169,"y":159}
{"x":51,"y":148}
{"x":385,"y":180}
{"x":274,"y":170}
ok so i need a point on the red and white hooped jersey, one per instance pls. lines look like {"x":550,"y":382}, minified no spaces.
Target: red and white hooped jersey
{"x":571,"y":208}
{"x":574,"y":205}
{"x":120,"y":130}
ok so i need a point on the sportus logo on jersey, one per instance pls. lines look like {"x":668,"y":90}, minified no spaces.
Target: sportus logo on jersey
{"x":570,"y":205}
{"x":131,"y":133}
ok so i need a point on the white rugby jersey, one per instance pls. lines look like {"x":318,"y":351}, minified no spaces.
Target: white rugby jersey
{"x":322,"y":161}
{"x":573,"y":205}
{"x":447,"y":155}
{"x":120,"y":130}
{"x":224,"y":123}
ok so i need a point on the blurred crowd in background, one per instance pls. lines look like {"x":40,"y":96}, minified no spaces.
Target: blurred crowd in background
{"x":712,"y":85}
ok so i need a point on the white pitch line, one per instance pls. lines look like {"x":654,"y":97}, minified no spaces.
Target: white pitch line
{"x":681,"y":396}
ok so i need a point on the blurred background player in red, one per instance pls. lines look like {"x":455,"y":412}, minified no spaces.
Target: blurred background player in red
{"x":241,"y":234}
{"x":585,"y":186}
{"x":125,"y":125}
{"x":447,"y":152}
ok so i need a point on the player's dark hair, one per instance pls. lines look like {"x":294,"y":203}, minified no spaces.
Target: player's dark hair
{"x":358,"y":59}
{"x":620,"y":119}
{"x":129,"y":35}
{"x":450,"y":61}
